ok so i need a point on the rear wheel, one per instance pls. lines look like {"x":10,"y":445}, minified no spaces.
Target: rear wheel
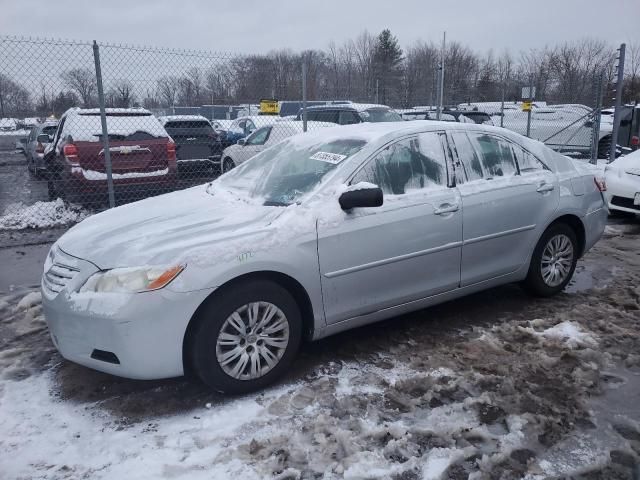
{"x":553,"y":261}
{"x":53,"y":186}
{"x":227,"y":165}
{"x":245,"y":337}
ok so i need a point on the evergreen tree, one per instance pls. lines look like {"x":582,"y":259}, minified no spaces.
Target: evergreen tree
{"x":387,"y":66}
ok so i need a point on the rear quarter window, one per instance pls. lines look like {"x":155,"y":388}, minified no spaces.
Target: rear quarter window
{"x":88,"y":127}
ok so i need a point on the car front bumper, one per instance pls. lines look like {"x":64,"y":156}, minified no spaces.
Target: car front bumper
{"x":137,"y":336}
{"x":621,"y":191}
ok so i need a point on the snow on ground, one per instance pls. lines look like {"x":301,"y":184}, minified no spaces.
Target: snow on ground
{"x":496,"y":386}
{"x":41,"y":215}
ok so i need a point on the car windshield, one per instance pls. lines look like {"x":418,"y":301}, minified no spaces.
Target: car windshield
{"x":380,"y":115}
{"x":282,"y":174}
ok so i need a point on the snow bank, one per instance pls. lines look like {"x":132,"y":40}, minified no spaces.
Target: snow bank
{"x":41,"y":215}
{"x":570,"y":334}
{"x":29,"y":300}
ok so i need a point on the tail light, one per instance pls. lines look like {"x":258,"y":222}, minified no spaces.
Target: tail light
{"x":635,"y":141}
{"x":171,"y":150}
{"x":70,"y":152}
{"x":600,"y":184}
{"x":39,"y":148}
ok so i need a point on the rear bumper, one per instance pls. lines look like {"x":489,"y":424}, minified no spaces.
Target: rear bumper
{"x":80,"y":185}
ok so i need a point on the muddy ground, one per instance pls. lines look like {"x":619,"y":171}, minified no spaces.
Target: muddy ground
{"x":498,"y":385}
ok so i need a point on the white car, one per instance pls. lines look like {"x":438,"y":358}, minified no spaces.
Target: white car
{"x":623,"y":183}
{"x":262,"y":138}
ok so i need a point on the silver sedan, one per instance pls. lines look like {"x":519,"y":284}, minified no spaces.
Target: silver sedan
{"x":320,"y":233}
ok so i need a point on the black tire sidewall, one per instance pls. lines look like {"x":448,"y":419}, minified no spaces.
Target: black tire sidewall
{"x":534,"y":282}
{"x":225,"y":162}
{"x":211,"y":318}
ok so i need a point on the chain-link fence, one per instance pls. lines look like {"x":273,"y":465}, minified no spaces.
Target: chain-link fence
{"x":84,"y":127}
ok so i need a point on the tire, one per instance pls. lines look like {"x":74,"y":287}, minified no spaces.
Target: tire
{"x":227,"y":164}
{"x":52,"y":190}
{"x":215,"y":337}
{"x":542,"y":281}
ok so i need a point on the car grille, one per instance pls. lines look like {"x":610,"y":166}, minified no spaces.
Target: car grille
{"x":58,"y":276}
{"x":624,"y":202}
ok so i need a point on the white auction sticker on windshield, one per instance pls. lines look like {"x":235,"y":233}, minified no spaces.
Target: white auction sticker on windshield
{"x":328,"y":157}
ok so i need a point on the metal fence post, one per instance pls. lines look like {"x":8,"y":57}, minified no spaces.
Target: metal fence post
{"x":595,"y":129}
{"x":304,"y":94}
{"x":502,"y":107}
{"x":618,"y":110}
{"x":530,"y":108}
{"x":103,"y":120}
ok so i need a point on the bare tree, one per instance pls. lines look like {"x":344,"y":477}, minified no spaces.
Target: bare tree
{"x":83,"y":82}
{"x":168,"y":90}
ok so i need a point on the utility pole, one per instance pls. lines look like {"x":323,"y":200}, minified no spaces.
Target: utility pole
{"x":441,"y":78}
{"x":377,"y":87}
{"x":618,"y":104}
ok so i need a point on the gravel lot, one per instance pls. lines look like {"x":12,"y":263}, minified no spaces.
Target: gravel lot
{"x":498,"y":385}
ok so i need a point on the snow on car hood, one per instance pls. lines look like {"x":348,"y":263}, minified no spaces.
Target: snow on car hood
{"x":164,"y":228}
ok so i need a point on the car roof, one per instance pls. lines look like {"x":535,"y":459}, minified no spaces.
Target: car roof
{"x":359,"y":107}
{"x":95,"y":111}
{"x":184,"y":118}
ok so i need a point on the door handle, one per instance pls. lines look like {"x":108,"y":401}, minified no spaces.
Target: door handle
{"x":446,"y":208}
{"x":545,"y":187}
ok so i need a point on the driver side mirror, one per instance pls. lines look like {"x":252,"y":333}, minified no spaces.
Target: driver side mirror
{"x":366,"y":196}
{"x":43,"y":138}
{"x":242,"y":141}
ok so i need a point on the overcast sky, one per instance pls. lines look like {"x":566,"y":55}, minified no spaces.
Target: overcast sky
{"x":257,"y":26}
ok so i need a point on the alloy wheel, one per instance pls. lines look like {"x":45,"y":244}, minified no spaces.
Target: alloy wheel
{"x":557,"y":259}
{"x":252,"y":340}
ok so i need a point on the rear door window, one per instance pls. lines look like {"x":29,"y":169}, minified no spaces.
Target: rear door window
{"x":330,"y":116}
{"x":468,"y":158}
{"x":495,"y":154}
{"x":526,"y":161}
{"x":348,"y":117}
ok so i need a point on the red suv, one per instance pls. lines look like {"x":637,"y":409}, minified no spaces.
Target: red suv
{"x":143,"y":156}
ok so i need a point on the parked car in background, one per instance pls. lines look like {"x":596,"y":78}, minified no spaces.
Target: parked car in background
{"x":325,"y":231}
{"x":481,"y":118}
{"x":8,"y":124}
{"x":221,"y":125}
{"x":411,"y":114}
{"x":263,"y":138}
{"x":351,"y":113}
{"x":623,"y":183}
{"x":143,"y":156}
{"x":36,"y":143}
{"x":198,"y":145}
{"x":243,"y":126}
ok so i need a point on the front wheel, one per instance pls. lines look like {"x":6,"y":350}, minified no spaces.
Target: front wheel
{"x":227,"y":165}
{"x":553,"y":261}
{"x":246,"y":337}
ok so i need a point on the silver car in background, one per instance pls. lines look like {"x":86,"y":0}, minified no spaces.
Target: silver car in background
{"x":37,"y":142}
{"x":323,"y":232}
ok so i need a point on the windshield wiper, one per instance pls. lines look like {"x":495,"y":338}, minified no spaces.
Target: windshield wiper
{"x":275,"y":203}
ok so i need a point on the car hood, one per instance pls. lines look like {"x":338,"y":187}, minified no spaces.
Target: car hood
{"x":164,"y":228}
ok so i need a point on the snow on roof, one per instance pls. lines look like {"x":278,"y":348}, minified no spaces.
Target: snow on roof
{"x":184,"y":118}
{"x":94,"y":111}
{"x":355,"y":106}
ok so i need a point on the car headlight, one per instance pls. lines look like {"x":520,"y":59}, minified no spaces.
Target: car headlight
{"x":132,"y":280}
